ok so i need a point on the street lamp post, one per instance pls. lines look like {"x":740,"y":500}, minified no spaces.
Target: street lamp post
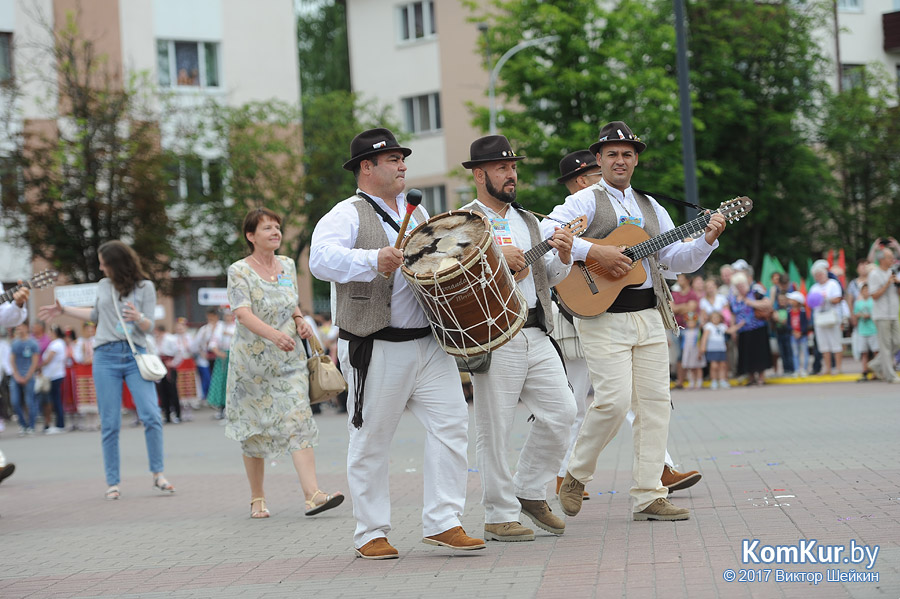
{"x":499,"y":65}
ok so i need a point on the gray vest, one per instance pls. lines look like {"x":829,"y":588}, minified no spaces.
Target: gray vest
{"x":538,"y":269}
{"x":364,"y":308}
{"x":606,"y":220}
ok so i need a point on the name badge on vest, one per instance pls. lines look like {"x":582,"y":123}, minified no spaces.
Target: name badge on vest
{"x":284,"y":280}
{"x":627,"y":219}
{"x":502,"y":231}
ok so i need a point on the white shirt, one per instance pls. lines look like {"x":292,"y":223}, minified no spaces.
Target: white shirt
{"x":201,"y":342}
{"x":830,"y":290}
{"x":677,"y":257}
{"x":717,"y":305}
{"x":557,"y":270}
{"x":716,"y":339}
{"x":885,"y":307}
{"x":56,"y":367}
{"x":5,"y":349}
{"x":10,"y":314}
{"x":333,"y":258}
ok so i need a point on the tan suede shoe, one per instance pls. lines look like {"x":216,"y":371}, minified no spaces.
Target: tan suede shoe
{"x":542,"y":516}
{"x":455,"y":538}
{"x":662,"y":509}
{"x":377,"y":549}
{"x":674,"y":480}
{"x":508,"y":532}
{"x":571,"y":494}
{"x":559,"y":480}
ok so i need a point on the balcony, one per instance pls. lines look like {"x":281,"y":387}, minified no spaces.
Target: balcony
{"x":890,"y":23}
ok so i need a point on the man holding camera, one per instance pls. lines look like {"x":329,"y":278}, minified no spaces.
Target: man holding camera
{"x":884,"y":286}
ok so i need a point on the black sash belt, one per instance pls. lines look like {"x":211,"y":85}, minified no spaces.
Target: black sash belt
{"x":634,"y":300}
{"x":532,"y":320}
{"x":360,"y":349}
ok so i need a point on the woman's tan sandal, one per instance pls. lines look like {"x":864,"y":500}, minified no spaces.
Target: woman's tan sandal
{"x":327,"y":502}
{"x":262,"y":512}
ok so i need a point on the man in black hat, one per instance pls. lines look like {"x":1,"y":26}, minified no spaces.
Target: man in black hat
{"x":626,"y":347}
{"x":526,"y":367}
{"x":579,"y":170}
{"x":388,"y":354}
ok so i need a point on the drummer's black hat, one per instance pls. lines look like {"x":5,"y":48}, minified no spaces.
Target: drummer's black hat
{"x":490,"y":148}
{"x":574,"y":163}
{"x":618,"y":131}
{"x":371,"y":142}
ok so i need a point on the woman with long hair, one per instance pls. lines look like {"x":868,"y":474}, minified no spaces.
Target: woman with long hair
{"x":267,"y":389}
{"x":127,"y":291}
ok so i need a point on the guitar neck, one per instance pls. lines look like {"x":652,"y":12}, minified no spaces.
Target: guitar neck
{"x":532,"y":255}
{"x":7,"y":296}
{"x":645,"y":248}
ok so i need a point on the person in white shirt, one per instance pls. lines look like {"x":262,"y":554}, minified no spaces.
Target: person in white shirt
{"x":167,"y":387}
{"x":527,"y":367}
{"x":53,"y":366}
{"x":12,"y":313}
{"x":626,"y":347}
{"x":203,"y":356}
{"x":388,"y":355}
{"x":884,"y":287}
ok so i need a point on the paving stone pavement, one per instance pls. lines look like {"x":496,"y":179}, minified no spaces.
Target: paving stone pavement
{"x":780,"y":463}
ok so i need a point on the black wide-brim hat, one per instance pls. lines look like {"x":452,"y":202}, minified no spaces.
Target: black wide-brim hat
{"x":575,"y":163}
{"x":490,"y":148}
{"x":371,"y":142}
{"x":618,"y":131}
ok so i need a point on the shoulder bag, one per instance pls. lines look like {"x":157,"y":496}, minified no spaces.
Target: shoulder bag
{"x":150,"y":365}
{"x":325,"y":380}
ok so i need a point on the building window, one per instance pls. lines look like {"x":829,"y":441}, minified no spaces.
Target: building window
{"x":194,"y":177}
{"x":187,"y":64}
{"x":434,"y":199}
{"x":850,"y":5}
{"x":416,"y":20}
{"x":852,"y":75}
{"x":422,"y":113}
{"x":6,"y":71}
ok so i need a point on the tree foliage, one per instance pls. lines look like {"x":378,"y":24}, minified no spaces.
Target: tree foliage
{"x":861,"y":132}
{"x":98,"y":174}
{"x":324,"y":55}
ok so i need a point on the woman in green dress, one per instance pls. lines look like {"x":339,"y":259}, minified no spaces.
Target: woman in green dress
{"x":267,"y":389}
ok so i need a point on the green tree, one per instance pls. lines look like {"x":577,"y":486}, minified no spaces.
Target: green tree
{"x":861,"y":132}
{"x":100,"y":174}
{"x":759,"y":78}
{"x":322,"y":47}
{"x":613,"y":63}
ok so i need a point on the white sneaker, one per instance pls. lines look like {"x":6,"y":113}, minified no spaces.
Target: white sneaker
{"x":724,"y":384}
{"x":54,"y":430}
{"x":714,"y":384}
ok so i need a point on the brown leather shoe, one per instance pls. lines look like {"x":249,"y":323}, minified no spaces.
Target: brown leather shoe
{"x":571,"y":494}
{"x":377,"y":549}
{"x":508,"y":531}
{"x":542,"y":516}
{"x":559,"y":480}
{"x":674,"y":480}
{"x":661,"y":509}
{"x":455,"y":538}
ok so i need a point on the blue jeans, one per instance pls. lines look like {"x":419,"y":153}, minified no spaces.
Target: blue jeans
{"x":800,"y":349}
{"x":113,"y":364}
{"x":15,"y":397}
{"x":56,"y":399}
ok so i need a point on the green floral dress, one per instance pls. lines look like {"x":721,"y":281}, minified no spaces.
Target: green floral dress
{"x":267,"y":392}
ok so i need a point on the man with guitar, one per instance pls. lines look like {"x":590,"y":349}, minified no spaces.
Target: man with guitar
{"x":625,"y":345}
{"x":579,"y":170}
{"x":12,"y":313}
{"x":528,"y":366}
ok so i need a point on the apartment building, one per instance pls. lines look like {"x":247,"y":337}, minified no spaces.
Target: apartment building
{"x":868,"y":32}
{"x":232,"y":50}
{"x":420,"y":59}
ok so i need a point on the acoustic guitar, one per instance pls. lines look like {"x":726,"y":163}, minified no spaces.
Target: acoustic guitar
{"x":41,"y":279}
{"x":577,"y":226}
{"x":589,"y":289}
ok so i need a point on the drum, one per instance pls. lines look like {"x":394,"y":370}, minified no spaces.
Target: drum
{"x":459,"y":277}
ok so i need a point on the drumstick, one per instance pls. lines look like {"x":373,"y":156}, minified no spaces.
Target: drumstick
{"x":413,"y":199}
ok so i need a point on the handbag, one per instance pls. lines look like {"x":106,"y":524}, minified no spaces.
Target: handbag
{"x":325,"y":380}
{"x":150,"y":366}
{"x":826,"y":318}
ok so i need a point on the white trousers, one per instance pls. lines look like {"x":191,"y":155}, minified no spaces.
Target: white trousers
{"x":420,"y":376}
{"x":580,"y":379}
{"x":888,"y":343}
{"x":529,"y":368}
{"x":628,"y":358}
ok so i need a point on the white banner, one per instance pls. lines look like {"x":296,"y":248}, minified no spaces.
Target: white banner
{"x":212,"y":296}
{"x":76,"y":295}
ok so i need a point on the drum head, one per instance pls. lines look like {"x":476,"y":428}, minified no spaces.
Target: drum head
{"x":443,"y":242}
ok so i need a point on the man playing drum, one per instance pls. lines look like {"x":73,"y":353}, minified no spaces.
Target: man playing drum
{"x":527,"y":367}
{"x":388,"y":355}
